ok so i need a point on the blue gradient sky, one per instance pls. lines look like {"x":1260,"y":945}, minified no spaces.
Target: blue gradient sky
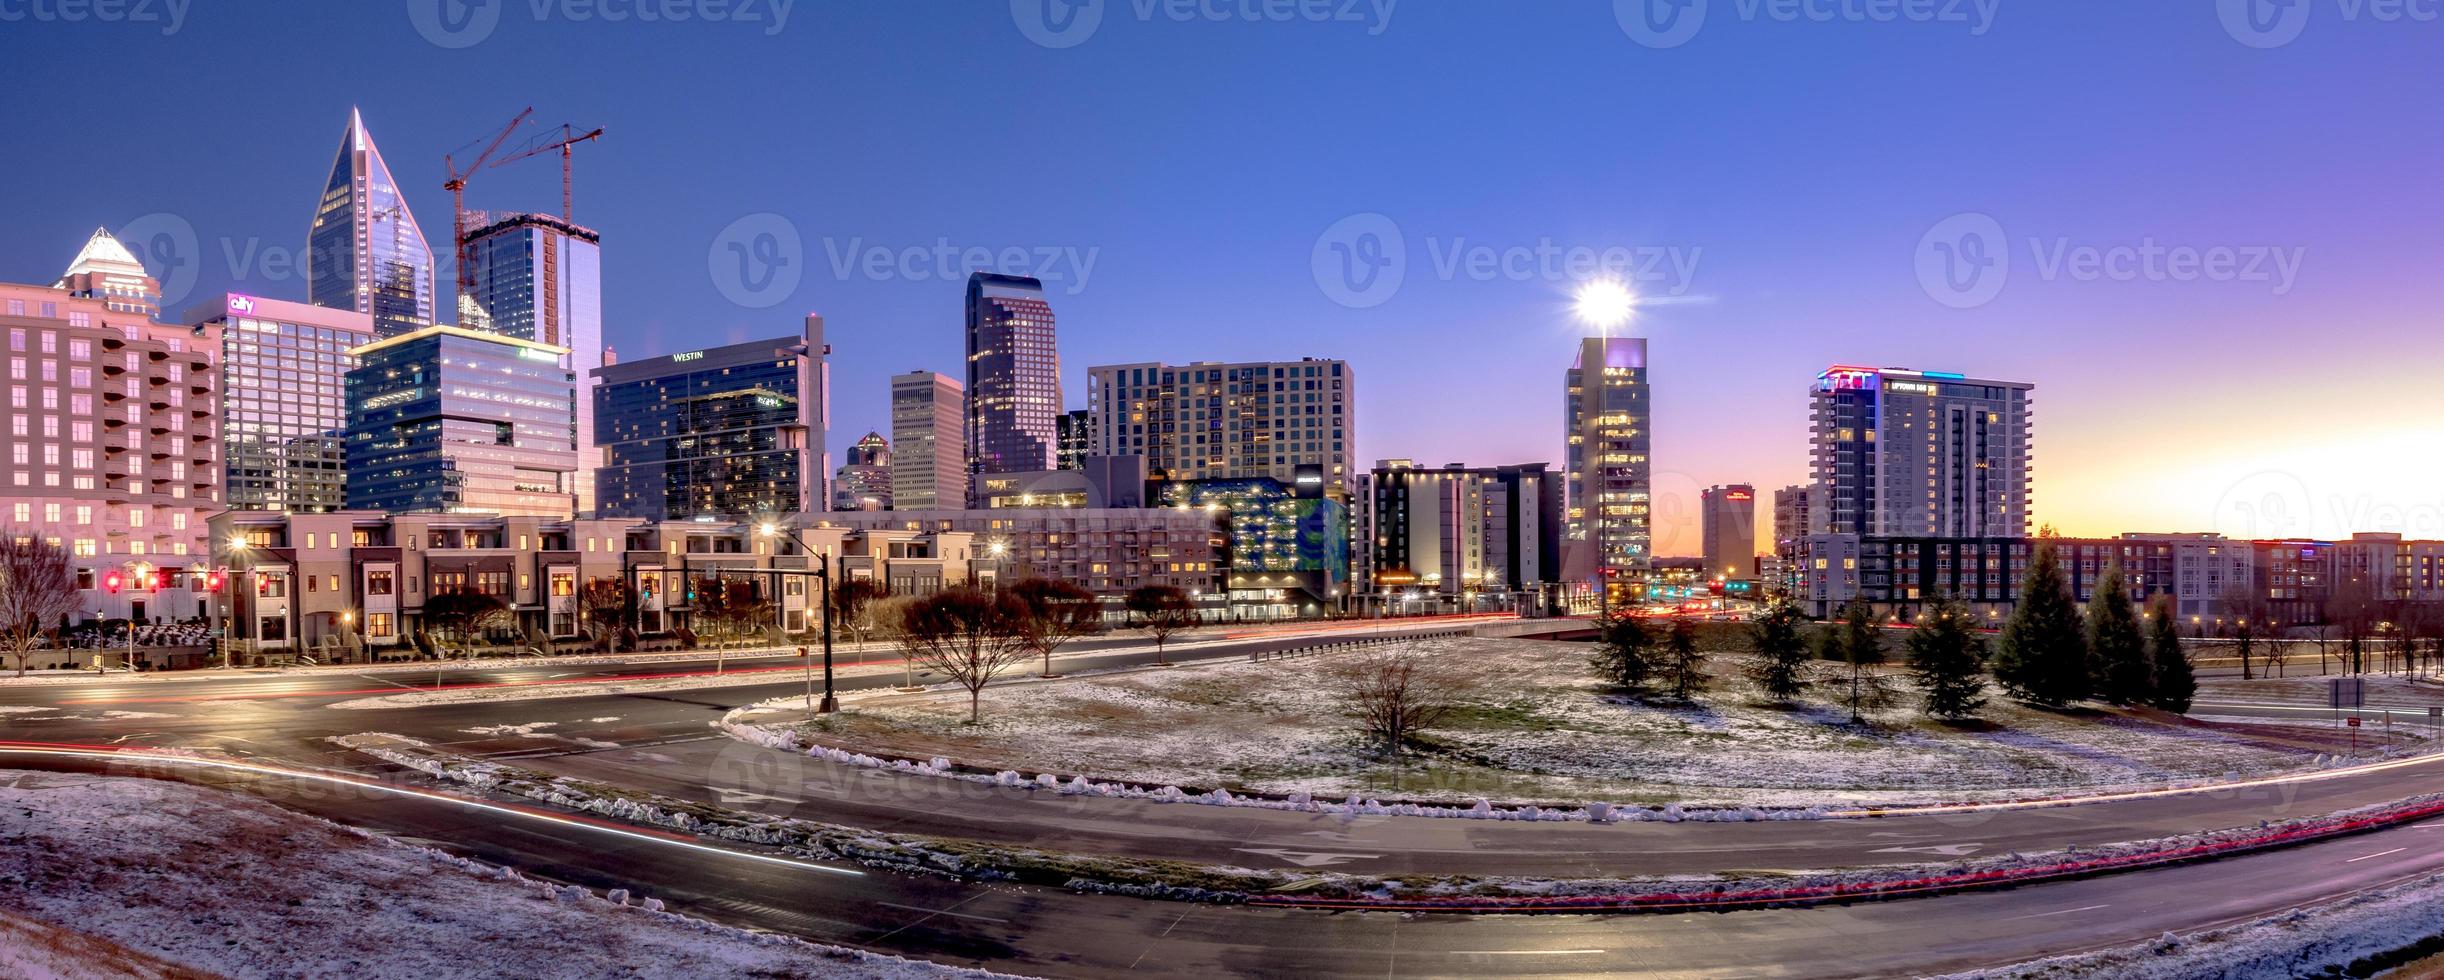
{"x":1797,"y":166}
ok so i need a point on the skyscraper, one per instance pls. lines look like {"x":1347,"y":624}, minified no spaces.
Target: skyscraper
{"x":364,"y":251}
{"x":733,"y":432}
{"x":451,"y":420}
{"x":928,"y":468}
{"x":284,"y":410}
{"x":1727,"y":521}
{"x":1606,"y":425}
{"x":540,"y":279}
{"x":1013,"y":376}
{"x":864,"y":482}
{"x":1209,"y":421}
{"x":1919,"y":454}
{"x":107,"y":271}
{"x":1077,"y":438}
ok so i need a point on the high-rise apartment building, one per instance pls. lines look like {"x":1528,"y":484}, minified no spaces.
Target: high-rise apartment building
{"x":110,"y":448}
{"x":864,"y":482}
{"x":1607,"y":426}
{"x":928,"y":455}
{"x":732,"y":432}
{"x":451,"y":420}
{"x":1212,"y":421}
{"x":364,"y":251}
{"x":105,"y":270}
{"x":1906,"y":453}
{"x":284,"y":411}
{"x":1727,"y":522}
{"x":1013,"y":376}
{"x":540,"y":278}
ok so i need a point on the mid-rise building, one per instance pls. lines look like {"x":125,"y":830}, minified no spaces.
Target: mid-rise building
{"x":364,"y":251}
{"x":451,"y":420}
{"x":540,"y":278}
{"x":1213,"y":421}
{"x":1458,"y":538}
{"x":1607,"y":428}
{"x":1793,"y":510}
{"x":1077,"y":438}
{"x":1013,"y":376}
{"x":1904,"y":576}
{"x":110,"y":447}
{"x":864,"y":482}
{"x":1727,"y":522}
{"x":928,"y":458}
{"x":734,"y":432}
{"x":1096,"y":482}
{"x":105,"y":270}
{"x":1901,"y":453}
{"x":284,"y":411}
{"x":1107,"y":551}
{"x":1285,"y":546}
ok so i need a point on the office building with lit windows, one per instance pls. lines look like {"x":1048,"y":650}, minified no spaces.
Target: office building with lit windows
{"x":455,"y":421}
{"x":928,"y":440}
{"x":1077,"y":439}
{"x":110,"y":447}
{"x":284,"y":414}
{"x":1013,"y":376}
{"x":1213,"y":421}
{"x":1458,"y":538}
{"x":733,"y":432}
{"x":1607,"y":430}
{"x":1727,"y":526}
{"x":864,"y":482}
{"x":1898,"y":453}
{"x":1285,"y":545}
{"x":364,"y":250}
{"x":540,"y":278}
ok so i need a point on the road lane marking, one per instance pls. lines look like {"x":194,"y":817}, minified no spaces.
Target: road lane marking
{"x":1947,"y":850}
{"x":930,"y":913}
{"x":2378,"y":854}
{"x":1307,"y":859}
{"x":1526,"y":952}
{"x":2083,"y":908}
{"x":955,"y":915}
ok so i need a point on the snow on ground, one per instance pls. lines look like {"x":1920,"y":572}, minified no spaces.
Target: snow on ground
{"x":1539,"y":728}
{"x":2380,"y":926}
{"x":2383,"y":691}
{"x":36,"y":951}
{"x":226,"y":884}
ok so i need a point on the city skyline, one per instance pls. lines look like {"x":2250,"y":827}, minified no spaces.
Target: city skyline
{"x":1758,"y":312}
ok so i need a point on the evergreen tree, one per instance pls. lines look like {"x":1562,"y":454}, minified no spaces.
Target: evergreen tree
{"x":1625,"y":653}
{"x":1947,"y":657}
{"x":2043,"y":658}
{"x":2119,"y":651}
{"x":1861,"y":646}
{"x":2174,"y":684}
{"x":1780,"y":666}
{"x":1684,"y":666}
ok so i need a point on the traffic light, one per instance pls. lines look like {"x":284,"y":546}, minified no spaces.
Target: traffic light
{"x":110,"y":582}
{"x":212,"y":582}
{"x":161,"y":579}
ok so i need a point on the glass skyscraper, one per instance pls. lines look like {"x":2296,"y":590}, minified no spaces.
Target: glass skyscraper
{"x":448,"y":420}
{"x":365,"y":252}
{"x":1013,"y":376}
{"x":730,"y":432}
{"x":540,"y":279}
{"x":1607,"y":430}
{"x":284,"y":408}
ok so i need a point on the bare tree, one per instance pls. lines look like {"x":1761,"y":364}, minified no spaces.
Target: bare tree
{"x":606,"y":604}
{"x":467,"y":616}
{"x":1056,"y":612}
{"x":1395,"y":692}
{"x":1161,"y":610}
{"x":37,"y":591}
{"x":968,"y":636}
{"x":2251,"y":616}
{"x":854,"y":604}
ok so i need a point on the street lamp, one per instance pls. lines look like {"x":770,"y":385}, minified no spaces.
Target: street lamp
{"x":823,"y":574}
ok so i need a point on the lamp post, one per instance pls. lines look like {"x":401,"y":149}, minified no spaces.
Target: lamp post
{"x":823,"y":574}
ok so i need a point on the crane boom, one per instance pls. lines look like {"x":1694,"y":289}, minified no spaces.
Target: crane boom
{"x":457,"y":186}
{"x":562,"y":139}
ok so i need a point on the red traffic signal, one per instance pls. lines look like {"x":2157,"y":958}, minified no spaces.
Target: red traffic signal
{"x":110,"y":582}
{"x":161,"y":578}
{"x":212,"y":582}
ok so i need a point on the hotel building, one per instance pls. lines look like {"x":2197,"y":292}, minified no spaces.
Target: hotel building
{"x":284,"y":415}
{"x":1901,"y":453}
{"x":1727,"y":522}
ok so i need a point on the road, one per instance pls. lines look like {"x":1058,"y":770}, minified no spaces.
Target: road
{"x":662,"y":744}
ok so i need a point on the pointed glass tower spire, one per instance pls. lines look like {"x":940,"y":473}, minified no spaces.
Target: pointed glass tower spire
{"x":365,"y":252}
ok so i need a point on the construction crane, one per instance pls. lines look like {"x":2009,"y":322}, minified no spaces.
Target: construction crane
{"x":457,"y":186}
{"x":561,"y":139}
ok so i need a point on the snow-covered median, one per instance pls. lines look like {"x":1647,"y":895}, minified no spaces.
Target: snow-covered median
{"x":222,"y":883}
{"x":2356,"y":937}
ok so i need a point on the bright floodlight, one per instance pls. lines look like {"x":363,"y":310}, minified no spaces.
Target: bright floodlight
{"x":1605,"y":304}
